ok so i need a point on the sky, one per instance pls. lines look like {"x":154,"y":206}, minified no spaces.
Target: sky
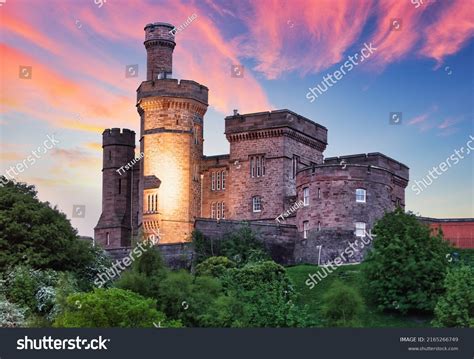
{"x":63,"y":81}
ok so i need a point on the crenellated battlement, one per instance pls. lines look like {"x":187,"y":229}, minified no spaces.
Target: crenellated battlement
{"x":173,"y":88}
{"x":116,"y":136}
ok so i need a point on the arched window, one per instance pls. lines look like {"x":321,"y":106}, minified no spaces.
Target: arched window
{"x":218,"y":187}
{"x":223,"y":211}
{"x":213,"y":210}
{"x":218,"y":210}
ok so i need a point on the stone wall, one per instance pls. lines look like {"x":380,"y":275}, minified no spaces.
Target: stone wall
{"x":279,"y":240}
{"x":213,"y":165}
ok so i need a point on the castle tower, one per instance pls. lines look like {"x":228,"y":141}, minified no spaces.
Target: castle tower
{"x":171,"y":139}
{"x":115,"y":226}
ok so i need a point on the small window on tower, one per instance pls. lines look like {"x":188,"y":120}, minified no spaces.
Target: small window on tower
{"x":120,"y":186}
{"x":110,"y":155}
{"x":107,"y":239}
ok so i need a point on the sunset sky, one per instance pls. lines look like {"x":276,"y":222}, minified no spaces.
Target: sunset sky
{"x":78,"y":51}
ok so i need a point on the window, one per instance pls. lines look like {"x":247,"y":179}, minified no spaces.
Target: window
{"x":305,"y":229}
{"x":313,"y":166}
{"x":148,"y":203}
{"x":120,"y":186}
{"x":360,"y":195}
{"x":296,"y":159}
{"x":360,"y":229}
{"x":398,"y":202}
{"x":110,"y":155}
{"x":213,"y":210}
{"x":256,"y":204}
{"x":213,"y":181}
{"x":107,"y":239}
{"x":319,"y":226}
{"x":218,"y":210}
{"x":156,"y":203}
{"x":306,"y":196}
{"x":223,"y":180}
{"x":218,"y":183}
{"x":257,"y":166}
{"x":223,"y":211}
{"x":196,"y":135}
{"x":319,"y":193}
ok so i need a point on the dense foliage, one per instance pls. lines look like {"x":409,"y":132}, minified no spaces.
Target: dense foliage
{"x":455,"y":308}
{"x":33,"y":233}
{"x":342,"y":306}
{"x":214,"y":267}
{"x":406,"y":268}
{"x":111,"y":308}
{"x":11,"y":315}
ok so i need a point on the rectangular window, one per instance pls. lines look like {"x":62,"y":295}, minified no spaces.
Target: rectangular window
{"x":256,"y":204}
{"x":223,"y":211}
{"x":196,"y":135}
{"x":252,"y":169}
{"x":218,"y":183}
{"x":258,"y":166}
{"x":213,"y":181}
{"x":319,"y":226}
{"x":296,"y":159}
{"x":360,"y":195}
{"x":107,"y":239}
{"x":263,"y":165}
{"x":305,"y":229}
{"x":306,"y":196}
{"x":120,"y":186}
{"x":223,"y":179}
{"x":360,"y":229}
{"x":218,"y":210}
{"x":213,"y":210}
{"x":319,"y":193}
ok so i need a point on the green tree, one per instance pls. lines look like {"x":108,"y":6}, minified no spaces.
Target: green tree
{"x":342,"y":306}
{"x":214,"y":267}
{"x":34,"y":233}
{"x":111,"y":308}
{"x":455,"y":308}
{"x":264,"y":296}
{"x":406,"y":267}
{"x":11,"y":315}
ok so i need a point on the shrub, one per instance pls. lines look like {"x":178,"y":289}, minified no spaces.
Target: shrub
{"x":455,"y":308}
{"x":111,"y":308}
{"x":407,"y":265}
{"x":214,"y":267}
{"x":342,"y":306}
{"x":11,"y":315}
{"x":264,"y":296}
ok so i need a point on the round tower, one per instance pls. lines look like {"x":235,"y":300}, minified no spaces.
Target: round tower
{"x":159,"y":44}
{"x":171,"y":139}
{"x":114,"y":227}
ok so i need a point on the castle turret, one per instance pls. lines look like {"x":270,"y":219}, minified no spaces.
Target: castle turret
{"x":159,"y":44}
{"x":171,"y":139}
{"x":114,"y":228}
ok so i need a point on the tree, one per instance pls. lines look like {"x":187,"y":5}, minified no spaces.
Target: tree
{"x":406,"y":267}
{"x":214,"y":267}
{"x":33,"y":233}
{"x":264,"y":296}
{"x":111,"y":308}
{"x":11,"y":315}
{"x":342,"y":306}
{"x":455,"y":308}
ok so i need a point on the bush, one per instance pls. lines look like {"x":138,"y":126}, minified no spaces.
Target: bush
{"x":11,"y":315}
{"x":407,"y":265}
{"x":39,"y":292}
{"x":456,"y":307}
{"x":214,"y":267}
{"x":264,"y":297}
{"x":111,"y":308}
{"x":342,"y":306}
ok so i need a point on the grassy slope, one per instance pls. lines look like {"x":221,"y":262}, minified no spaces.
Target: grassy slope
{"x":351,"y":275}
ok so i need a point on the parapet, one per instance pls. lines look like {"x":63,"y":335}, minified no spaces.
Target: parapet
{"x":275,"y":119}
{"x":173,"y":88}
{"x":159,"y":31}
{"x":115,"y":136}
{"x":373,"y":159}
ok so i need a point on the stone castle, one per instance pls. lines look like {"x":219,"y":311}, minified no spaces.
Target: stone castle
{"x":276,"y":161}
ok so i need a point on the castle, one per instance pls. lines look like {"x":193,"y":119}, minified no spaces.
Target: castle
{"x":275,"y":161}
